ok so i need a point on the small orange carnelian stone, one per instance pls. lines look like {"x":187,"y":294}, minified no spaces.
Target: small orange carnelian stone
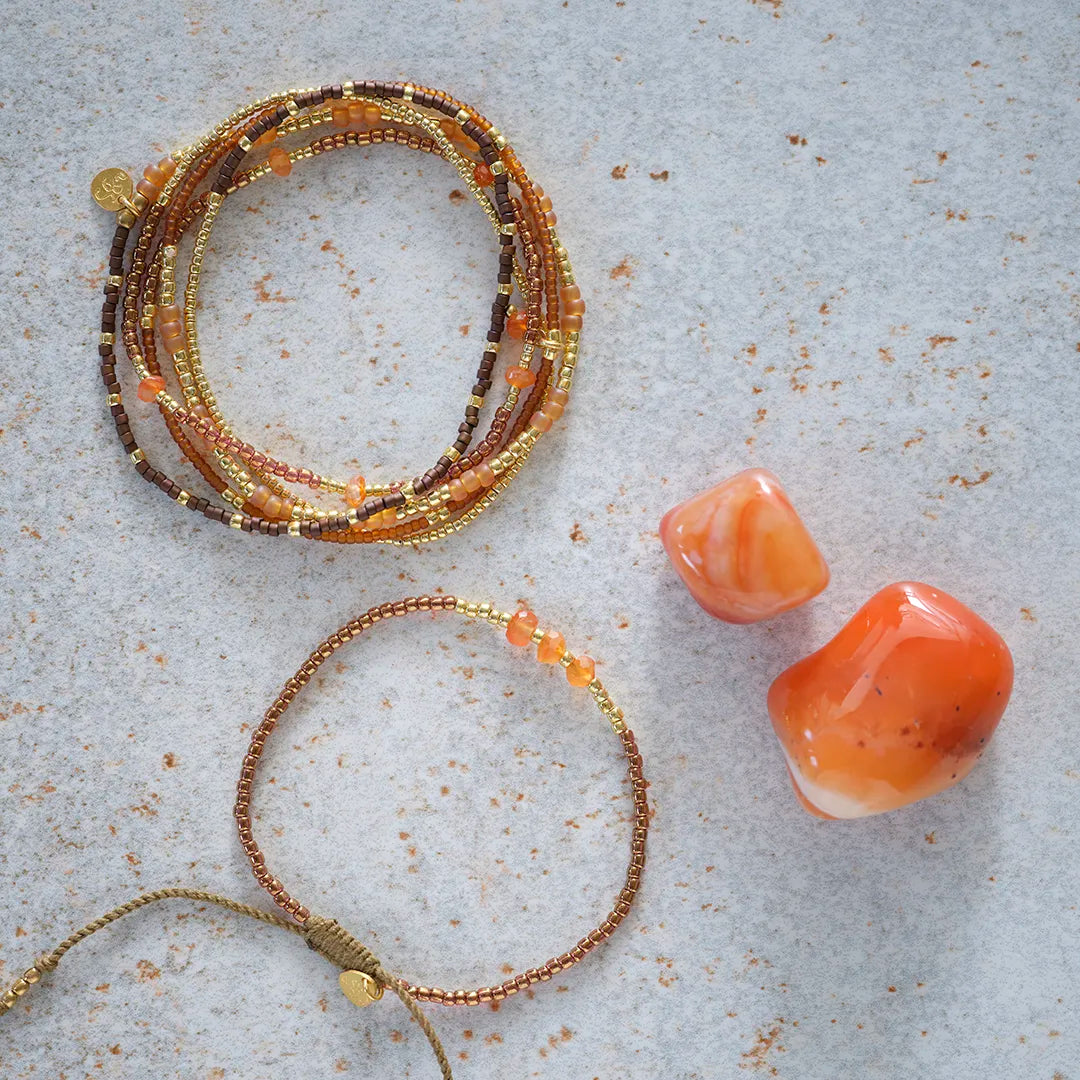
{"x":551,"y":648}
{"x":483,"y":175}
{"x":516,"y":324}
{"x":897,"y":707}
{"x":520,"y":377}
{"x":150,"y":387}
{"x":742,"y":550}
{"x":279,"y":162}
{"x":581,"y":671}
{"x":486,"y":473}
{"x":471,"y":481}
{"x":458,"y":491}
{"x":355,"y":490}
{"x":541,"y":420}
{"x":155,"y":175}
{"x":339,"y":116}
{"x":519,"y":630}
{"x":167,"y":166}
{"x":372,"y":115}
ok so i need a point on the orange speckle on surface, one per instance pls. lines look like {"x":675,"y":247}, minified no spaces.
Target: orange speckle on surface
{"x":623,"y":270}
{"x":619,"y":172}
{"x":663,"y":175}
{"x":964,"y":482}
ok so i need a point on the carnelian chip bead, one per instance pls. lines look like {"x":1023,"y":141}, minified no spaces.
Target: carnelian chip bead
{"x":279,"y":161}
{"x":150,"y":387}
{"x":486,"y":474}
{"x":471,"y":481}
{"x":551,"y":648}
{"x":520,"y":377}
{"x":541,"y":421}
{"x":516,"y":325}
{"x":519,"y":630}
{"x":581,"y":670}
{"x":355,"y":490}
{"x":742,"y":550}
{"x":900,"y":705}
{"x":483,"y":175}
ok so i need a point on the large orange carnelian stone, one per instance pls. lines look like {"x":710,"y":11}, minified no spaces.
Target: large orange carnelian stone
{"x":898,"y":706}
{"x":742,"y":550}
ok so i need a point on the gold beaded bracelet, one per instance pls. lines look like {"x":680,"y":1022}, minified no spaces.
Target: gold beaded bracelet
{"x":184,"y":193}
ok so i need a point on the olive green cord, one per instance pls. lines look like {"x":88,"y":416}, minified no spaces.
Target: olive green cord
{"x":324,"y":936}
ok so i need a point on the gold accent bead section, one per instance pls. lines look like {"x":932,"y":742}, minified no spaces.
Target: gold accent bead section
{"x":476,"y":401}
{"x":183,"y":498}
{"x":294,"y":528}
{"x":112,"y":399}
{"x":245,"y":143}
{"x":137,"y":456}
{"x":108,"y":339}
{"x":236,"y":521}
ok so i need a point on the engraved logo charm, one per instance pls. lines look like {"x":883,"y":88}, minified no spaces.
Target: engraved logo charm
{"x":111,"y":188}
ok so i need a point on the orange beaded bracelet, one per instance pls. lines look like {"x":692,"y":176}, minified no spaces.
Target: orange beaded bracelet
{"x":521,"y":629}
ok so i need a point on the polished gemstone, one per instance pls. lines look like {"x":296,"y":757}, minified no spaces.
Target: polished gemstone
{"x":742,"y":550}
{"x":898,"y":706}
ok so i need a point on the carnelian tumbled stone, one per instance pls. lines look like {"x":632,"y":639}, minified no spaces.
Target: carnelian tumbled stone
{"x":519,"y":630}
{"x":279,"y":161}
{"x":898,"y":706}
{"x":742,"y":550}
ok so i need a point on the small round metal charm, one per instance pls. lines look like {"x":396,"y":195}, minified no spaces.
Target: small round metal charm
{"x":112,"y":189}
{"x":359,"y":987}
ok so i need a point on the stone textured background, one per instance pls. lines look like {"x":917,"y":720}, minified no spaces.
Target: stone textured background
{"x":834,"y":239}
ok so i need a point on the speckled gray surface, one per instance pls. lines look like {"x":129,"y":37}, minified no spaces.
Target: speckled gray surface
{"x":837,"y":240}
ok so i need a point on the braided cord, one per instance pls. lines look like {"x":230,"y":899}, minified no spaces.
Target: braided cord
{"x":325,"y":936}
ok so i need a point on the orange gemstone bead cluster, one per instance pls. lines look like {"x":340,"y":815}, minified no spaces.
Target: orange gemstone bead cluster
{"x":174,"y":208}
{"x":521,"y":629}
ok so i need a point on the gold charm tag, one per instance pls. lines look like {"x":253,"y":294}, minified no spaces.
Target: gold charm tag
{"x":111,"y":189}
{"x":360,"y":988}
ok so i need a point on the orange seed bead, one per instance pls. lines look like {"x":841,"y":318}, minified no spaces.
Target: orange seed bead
{"x":154,"y":175}
{"x":458,"y":491}
{"x":339,"y":115}
{"x":279,"y":162}
{"x":167,"y":166}
{"x":486,"y":474}
{"x":582,"y":671}
{"x":558,"y":396}
{"x":551,"y":648}
{"x":372,"y":114}
{"x":150,"y":387}
{"x":520,"y":629}
{"x":520,"y":377}
{"x":471,"y":481}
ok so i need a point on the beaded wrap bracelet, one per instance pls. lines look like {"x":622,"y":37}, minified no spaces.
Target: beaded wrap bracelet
{"x":522,"y":629}
{"x":258,"y":491}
